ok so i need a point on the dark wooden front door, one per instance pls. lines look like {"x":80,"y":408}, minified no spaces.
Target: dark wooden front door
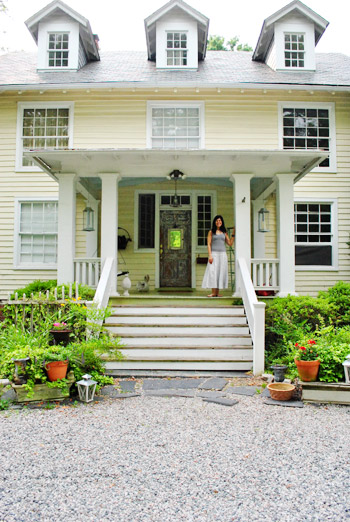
{"x":175,"y":248}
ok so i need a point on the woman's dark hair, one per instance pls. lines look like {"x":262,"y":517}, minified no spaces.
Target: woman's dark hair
{"x":222,"y":228}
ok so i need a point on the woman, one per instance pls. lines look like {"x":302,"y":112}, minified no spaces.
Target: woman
{"x":216,"y":272}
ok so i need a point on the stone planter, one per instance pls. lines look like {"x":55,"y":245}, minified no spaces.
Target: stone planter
{"x":336,"y":393}
{"x":42,"y":392}
{"x":61,"y":336}
{"x":279,"y":371}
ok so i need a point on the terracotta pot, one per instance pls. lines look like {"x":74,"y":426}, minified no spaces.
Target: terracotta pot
{"x":308,"y":370}
{"x":56,"y":370}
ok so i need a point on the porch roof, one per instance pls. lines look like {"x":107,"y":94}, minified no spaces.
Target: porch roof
{"x":153,"y":163}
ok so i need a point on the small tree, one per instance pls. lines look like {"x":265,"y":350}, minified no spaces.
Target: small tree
{"x":216,"y":43}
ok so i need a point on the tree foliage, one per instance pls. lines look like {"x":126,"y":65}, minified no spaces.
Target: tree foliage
{"x":217,"y":43}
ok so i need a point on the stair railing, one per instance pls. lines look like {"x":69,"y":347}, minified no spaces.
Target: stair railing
{"x":255,"y":315}
{"x":103,"y":290}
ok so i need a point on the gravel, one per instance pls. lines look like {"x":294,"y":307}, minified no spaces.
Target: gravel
{"x":175,"y":459}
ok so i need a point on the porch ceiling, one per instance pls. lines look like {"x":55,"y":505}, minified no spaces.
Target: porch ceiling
{"x":136,"y":163}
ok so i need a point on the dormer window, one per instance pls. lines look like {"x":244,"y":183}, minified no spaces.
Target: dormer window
{"x":294,"y":50}
{"x":176,"y":49}
{"x":58,"y":50}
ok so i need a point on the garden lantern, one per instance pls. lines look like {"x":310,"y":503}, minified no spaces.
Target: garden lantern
{"x":263,"y":220}
{"x":346,"y":365}
{"x":88,"y":220}
{"x":86,"y":388}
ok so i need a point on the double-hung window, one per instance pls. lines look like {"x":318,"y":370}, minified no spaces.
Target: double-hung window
{"x":176,"y":49}
{"x":294,"y":50}
{"x":315,"y":233}
{"x":58,"y":49}
{"x":37,"y":234}
{"x":175,"y":126}
{"x":42,"y":126}
{"x":307,"y":127}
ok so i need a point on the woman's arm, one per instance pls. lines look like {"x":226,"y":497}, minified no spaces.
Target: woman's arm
{"x":209,"y":246}
{"x":230,"y":240}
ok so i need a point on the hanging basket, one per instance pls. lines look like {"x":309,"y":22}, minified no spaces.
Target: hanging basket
{"x":123,"y":240}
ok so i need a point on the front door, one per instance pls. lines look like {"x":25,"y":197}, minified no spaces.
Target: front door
{"x":175,"y":248}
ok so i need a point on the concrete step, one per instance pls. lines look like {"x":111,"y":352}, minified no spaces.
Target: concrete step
{"x":155,"y":320}
{"x":177,"y":311}
{"x":239,"y":354}
{"x":162,"y":331}
{"x":116,"y":368}
{"x":185,"y":342}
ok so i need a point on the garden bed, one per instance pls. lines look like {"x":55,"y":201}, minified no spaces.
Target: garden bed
{"x":336,"y":393}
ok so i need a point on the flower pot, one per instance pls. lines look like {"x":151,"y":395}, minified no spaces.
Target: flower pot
{"x":279,"y":371}
{"x":281,"y":391}
{"x":56,"y":370}
{"x":308,"y":370}
{"x":61,"y":336}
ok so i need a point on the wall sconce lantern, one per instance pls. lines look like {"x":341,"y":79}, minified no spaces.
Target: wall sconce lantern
{"x":346,"y":365}
{"x":88,"y":219}
{"x":175,"y":175}
{"x":86,"y":388}
{"x":263,"y":220}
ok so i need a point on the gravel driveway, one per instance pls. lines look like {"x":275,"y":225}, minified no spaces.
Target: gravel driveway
{"x":175,"y":459}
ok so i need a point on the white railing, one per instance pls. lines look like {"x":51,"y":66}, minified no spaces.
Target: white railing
{"x":265,"y":274}
{"x":87,"y":271}
{"x":103,"y":290}
{"x":255,"y":314}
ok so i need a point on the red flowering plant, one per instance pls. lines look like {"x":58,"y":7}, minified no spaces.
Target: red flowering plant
{"x":306,"y":350}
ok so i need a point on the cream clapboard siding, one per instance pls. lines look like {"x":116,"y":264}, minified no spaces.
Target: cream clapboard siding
{"x":112,"y":119}
{"x":80,"y":236}
{"x":271,"y":237}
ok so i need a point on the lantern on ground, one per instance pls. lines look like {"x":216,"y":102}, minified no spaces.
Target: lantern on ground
{"x":86,"y":388}
{"x":346,"y":365}
{"x":263,"y":220}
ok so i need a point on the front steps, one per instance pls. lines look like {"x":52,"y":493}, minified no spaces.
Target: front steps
{"x":181,"y":338}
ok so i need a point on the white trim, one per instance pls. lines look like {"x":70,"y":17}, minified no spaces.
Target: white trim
{"x":17,"y":265}
{"x":332,"y":129}
{"x":21,"y":106}
{"x":334,"y":243}
{"x":175,"y":104}
{"x":48,"y":50}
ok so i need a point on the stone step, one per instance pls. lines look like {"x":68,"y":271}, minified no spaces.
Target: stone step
{"x":161,"y":331}
{"x":127,"y":367}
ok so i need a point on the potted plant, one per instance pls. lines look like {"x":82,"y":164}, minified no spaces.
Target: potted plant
{"x":60,"y":333}
{"x":306,"y":360}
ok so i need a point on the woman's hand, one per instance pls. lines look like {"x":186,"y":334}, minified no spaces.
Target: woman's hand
{"x":210,"y":259}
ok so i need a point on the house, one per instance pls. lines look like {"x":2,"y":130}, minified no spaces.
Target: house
{"x":116,"y":135}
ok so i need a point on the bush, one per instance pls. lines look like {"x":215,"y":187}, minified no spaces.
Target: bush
{"x":339,"y":296}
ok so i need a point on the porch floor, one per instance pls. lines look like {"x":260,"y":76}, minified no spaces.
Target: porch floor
{"x":171,"y":298}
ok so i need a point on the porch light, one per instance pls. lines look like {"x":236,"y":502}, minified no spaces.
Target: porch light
{"x":263,"y":220}
{"x":88,"y":219}
{"x":86,"y":388}
{"x":175,"y":175}
{"x":346,"y":365}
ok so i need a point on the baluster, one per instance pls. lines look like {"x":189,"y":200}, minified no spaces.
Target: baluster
{"x":83,"y":275}
{"x":274,"y":276}
{"x":90,"y":273}
{"x":97,"y":273}
{"x":78,"y":271}
{"x":55,"y":293}
{"x":261,"y":274}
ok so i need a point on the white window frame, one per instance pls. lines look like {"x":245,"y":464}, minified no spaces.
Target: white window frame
{"x":37,"y":105}
{"x":16,"y":258}
{"x":173,"y":49}
{"x":172,"y":104}
{"x":334,"y":243}
{"x":297,"y":51}
{"x":332,"y":130}
{"x":55,"y":51}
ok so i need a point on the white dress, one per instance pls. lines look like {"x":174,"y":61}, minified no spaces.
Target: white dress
{"x":216,"y":274}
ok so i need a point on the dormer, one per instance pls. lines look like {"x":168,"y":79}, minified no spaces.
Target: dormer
{"x":288,"y":38}
{"x":176,"y":36}
{"x":64,"y":38}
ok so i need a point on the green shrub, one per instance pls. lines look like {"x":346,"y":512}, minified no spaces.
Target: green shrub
{"x":339,"y":296}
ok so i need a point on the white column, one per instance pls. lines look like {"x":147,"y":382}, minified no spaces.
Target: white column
{"x":258,"y":237}
{"x":109,"y":222}
{"x":66,"y":228}
{"x":241,"y":200}
{"x":285,"y":233}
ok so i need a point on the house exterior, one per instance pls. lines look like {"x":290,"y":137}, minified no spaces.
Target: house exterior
{"x":113,"y":133}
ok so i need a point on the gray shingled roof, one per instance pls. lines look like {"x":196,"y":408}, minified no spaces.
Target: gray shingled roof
{"x":220,"y":68}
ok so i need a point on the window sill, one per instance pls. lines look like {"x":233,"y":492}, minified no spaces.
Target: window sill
{"x":316,"y":268}
{"x":35,"y":267}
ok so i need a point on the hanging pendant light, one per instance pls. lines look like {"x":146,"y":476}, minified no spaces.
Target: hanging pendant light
{"x":88,"y":217}
{"x":175,"y":175}
{"x":263,"y":220}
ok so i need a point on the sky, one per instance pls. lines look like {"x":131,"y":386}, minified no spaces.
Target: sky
{"x":120,"y":24}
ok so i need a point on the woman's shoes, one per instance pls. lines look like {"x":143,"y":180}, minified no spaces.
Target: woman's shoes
{"x":214,"y":295}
